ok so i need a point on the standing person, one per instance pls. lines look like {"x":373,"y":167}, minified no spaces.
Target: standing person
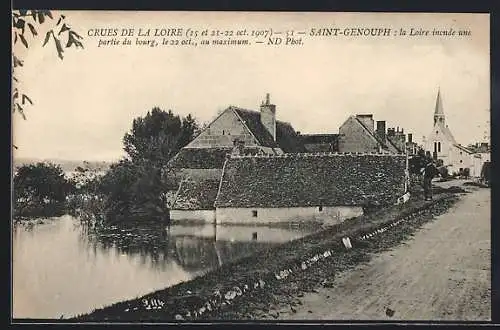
{"x":430,"y":172}
{"x":485,"y":173}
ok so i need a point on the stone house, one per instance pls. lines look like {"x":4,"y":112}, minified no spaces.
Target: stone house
{"x":295,"y":187}
{"x":254,"y":129}
{"x":358,"y":134}
{"x":234,"y":131}
{"x":240,"y":136}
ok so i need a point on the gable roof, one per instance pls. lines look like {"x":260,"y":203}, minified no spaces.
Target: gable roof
{"x":252,"y":121}
{"x":445,"y":130}
{"x":377,"y":139}
{"x":196,"y":194}
{"x":448,"y":134}
{"x":305,"y":180}
{"x":287,"y":138}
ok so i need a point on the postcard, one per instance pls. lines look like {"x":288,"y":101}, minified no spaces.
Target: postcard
{"x":177,"y":166}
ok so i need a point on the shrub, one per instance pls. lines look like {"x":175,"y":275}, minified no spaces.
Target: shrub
{"x":39,"y":188}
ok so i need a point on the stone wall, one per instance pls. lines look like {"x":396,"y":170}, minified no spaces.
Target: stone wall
{"x":207,"y":216}
{"x":329,"y":215}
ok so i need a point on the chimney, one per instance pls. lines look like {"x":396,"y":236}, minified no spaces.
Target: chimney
{"x":367,"y":120}
{"x":410,"y":138}
{"x":268,"y":116}
{"x":381,"y":130}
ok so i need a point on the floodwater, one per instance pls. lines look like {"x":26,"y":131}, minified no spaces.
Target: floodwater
{"x":62,"y":269}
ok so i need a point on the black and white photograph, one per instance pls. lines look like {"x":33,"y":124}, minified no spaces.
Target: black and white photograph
{"x":187,"y":166}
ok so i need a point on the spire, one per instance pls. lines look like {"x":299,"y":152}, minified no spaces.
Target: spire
{"x":439,"y":104}
{"x":438,"y":111}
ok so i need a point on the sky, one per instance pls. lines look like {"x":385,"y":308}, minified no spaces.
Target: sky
{"x":85,"y":103}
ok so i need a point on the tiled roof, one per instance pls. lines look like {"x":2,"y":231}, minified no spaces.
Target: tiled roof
{"x":286,"y":137}
{"x":205,"y":158}
{"x":319,"y":138}
{"x":200,"y":158}
{"x":196,"y":194}
{"x":251,"y":119}
{"x":314,"y":180}
{"x":467,"y":150}
{"x":288,"y":140}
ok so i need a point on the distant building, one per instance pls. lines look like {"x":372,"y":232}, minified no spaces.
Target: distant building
{"x":359,"y":134}
{"x":442,"y":144}
{"x":320,"y":142}
{"x":411,"y":146}
{"x":482,"y":154}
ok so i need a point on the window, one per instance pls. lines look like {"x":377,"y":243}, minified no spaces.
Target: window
{"x":254,"y":213}
{"x":435,"y":146}
{"x":461,"y":161}
{"x":439,"y":146}
{"x":320,"y":208}
{"x":437,"y":132}
{"x":222,"y":132}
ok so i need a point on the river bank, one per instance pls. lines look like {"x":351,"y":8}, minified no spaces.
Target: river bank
{"x":218,"y":294}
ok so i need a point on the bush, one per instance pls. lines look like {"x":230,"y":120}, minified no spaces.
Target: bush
{"x":135,"y":190}
{"x":40,"y":189}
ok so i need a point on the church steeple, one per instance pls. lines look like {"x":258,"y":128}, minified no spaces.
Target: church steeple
{"x":438,"y":111}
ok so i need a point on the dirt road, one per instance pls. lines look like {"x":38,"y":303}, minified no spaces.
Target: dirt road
{"x":442,"y":273}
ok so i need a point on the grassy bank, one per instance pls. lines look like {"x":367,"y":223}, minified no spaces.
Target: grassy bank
{"x":266,"y":304}
{"x":235,"y":289}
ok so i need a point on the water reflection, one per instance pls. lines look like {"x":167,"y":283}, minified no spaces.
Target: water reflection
{"x":64,"y":268}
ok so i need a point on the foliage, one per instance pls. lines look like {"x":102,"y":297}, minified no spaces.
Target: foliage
{"x":133,"y":190}
{"x":39,"y":185}
{"x":86,"y":179}
{"x":136,"y":187}
{"x":159,"y":135}
{"x":32,"y":20}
